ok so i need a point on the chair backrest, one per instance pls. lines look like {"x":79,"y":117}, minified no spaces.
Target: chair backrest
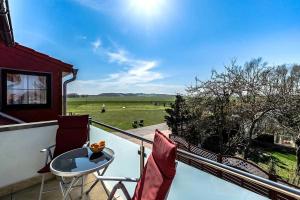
{"x":72,"y":133}
{"x":159,"y":170}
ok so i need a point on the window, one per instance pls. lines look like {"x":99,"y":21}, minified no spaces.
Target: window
{"x":26,"y":89}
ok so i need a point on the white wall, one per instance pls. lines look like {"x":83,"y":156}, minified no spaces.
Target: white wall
{"x":20,"y":156}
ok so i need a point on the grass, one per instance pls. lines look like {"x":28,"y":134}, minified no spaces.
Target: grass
{"x":285,"y":163}
{"x":136,"y":108}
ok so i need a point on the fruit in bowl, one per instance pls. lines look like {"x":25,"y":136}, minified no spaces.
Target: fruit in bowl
{"x":97,"y":147}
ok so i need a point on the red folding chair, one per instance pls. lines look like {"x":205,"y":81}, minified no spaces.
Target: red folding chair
{"x":157,"y":176}
{"x":72,"y":133}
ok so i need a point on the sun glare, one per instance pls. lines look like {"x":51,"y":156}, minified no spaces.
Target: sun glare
{"x":147,"y":8}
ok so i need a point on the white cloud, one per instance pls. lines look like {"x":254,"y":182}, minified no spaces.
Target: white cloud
{"x":137,"y":70}
{"x":119,"y":56}
{"x":136,"y":75}
{"x":96,"y":44}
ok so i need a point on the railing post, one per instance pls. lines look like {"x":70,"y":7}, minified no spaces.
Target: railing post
{"x":142,"y":158}
{"x":272,"y":193}
{"x":90,"y":124}
{"x":219,"y":160}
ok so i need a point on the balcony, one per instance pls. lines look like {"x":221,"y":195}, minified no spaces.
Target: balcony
{"x":20,"y":159}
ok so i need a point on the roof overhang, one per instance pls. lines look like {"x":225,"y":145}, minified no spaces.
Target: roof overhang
{"x":6,"y":31}
{"x":64,"y":67}
{"x":7,"y":38}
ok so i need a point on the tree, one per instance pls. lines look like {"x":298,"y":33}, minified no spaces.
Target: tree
{"x":242,"y":102}
{"x":253,"y":104}
{"x":176,"y":117}
{"x":73,"y":95}
{"x":213,"y":102}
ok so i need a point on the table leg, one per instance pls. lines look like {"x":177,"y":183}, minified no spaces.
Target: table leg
{"x":105,"y":188}
{"x":94,"y":184}
{"x":82,"y":182}
{"x":67,"y":191}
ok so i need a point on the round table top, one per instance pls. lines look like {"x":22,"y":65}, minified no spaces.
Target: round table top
{"x":80,"y":161}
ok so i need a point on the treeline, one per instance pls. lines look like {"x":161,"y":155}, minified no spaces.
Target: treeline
{"x":75,"y":95}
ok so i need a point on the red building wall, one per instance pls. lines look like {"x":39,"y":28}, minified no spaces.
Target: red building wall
{"x":22,"y":58}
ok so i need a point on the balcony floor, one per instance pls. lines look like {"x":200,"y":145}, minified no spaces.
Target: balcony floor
{"x":30,"y":193}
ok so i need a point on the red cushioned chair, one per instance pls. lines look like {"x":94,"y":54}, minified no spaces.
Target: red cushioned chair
{"x":158,"y":173}
{"x":72,"y":133}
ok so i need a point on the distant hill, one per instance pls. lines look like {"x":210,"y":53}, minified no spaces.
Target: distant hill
{"x":132,"y":94}
{"x":121,"y":95}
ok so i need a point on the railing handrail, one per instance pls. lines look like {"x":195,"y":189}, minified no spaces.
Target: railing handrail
{"x":278,"y":187}
{"x":14,"y":127}
{"x":244,"y":175}
{"x":122,"y":131}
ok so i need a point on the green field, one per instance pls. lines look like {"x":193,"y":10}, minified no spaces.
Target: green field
{"x":136,"y":108}
{"x":285,"y":164}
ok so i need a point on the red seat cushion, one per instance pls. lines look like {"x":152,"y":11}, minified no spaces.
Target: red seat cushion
{"x":73,"y":122}
{"x":164,"y":153}
{"x":45,"y":169}
{"x":72,"y":133}
{"x":159,"y":171}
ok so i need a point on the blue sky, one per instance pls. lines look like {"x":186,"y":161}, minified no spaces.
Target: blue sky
{"x":156,"y":46}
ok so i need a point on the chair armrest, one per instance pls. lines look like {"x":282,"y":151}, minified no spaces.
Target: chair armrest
{"x":47,"y":149}
{"x":125,"y":179}
{"x":48,"y":153}
{"x":86,"y":144}
{"x":121,"y":186}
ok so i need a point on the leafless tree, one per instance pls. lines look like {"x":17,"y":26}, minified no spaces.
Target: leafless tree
{"x":240,"y":103}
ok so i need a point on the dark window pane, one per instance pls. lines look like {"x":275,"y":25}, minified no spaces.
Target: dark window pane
{"x":15,"y":97}
{"x":16,"y":81}
{"x":37,"y":96}
{"x":36,"y":82}
{"x":43,"y":94}
{"x":26,"y":89}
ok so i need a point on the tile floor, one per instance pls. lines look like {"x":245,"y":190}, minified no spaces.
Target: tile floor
{"x":31,"y":193}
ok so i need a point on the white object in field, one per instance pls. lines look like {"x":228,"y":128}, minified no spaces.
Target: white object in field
{"x":123,"y":107}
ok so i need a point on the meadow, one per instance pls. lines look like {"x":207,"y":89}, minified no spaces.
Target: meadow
{"x":121,"y":111}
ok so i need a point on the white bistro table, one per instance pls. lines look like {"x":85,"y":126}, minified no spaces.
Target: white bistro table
{"x":73,"y":165}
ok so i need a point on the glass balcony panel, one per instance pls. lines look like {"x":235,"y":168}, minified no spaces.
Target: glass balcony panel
{"x":189,"y":182}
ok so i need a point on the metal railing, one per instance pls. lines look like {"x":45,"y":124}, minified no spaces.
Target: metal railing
{"x":271,"y":185}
